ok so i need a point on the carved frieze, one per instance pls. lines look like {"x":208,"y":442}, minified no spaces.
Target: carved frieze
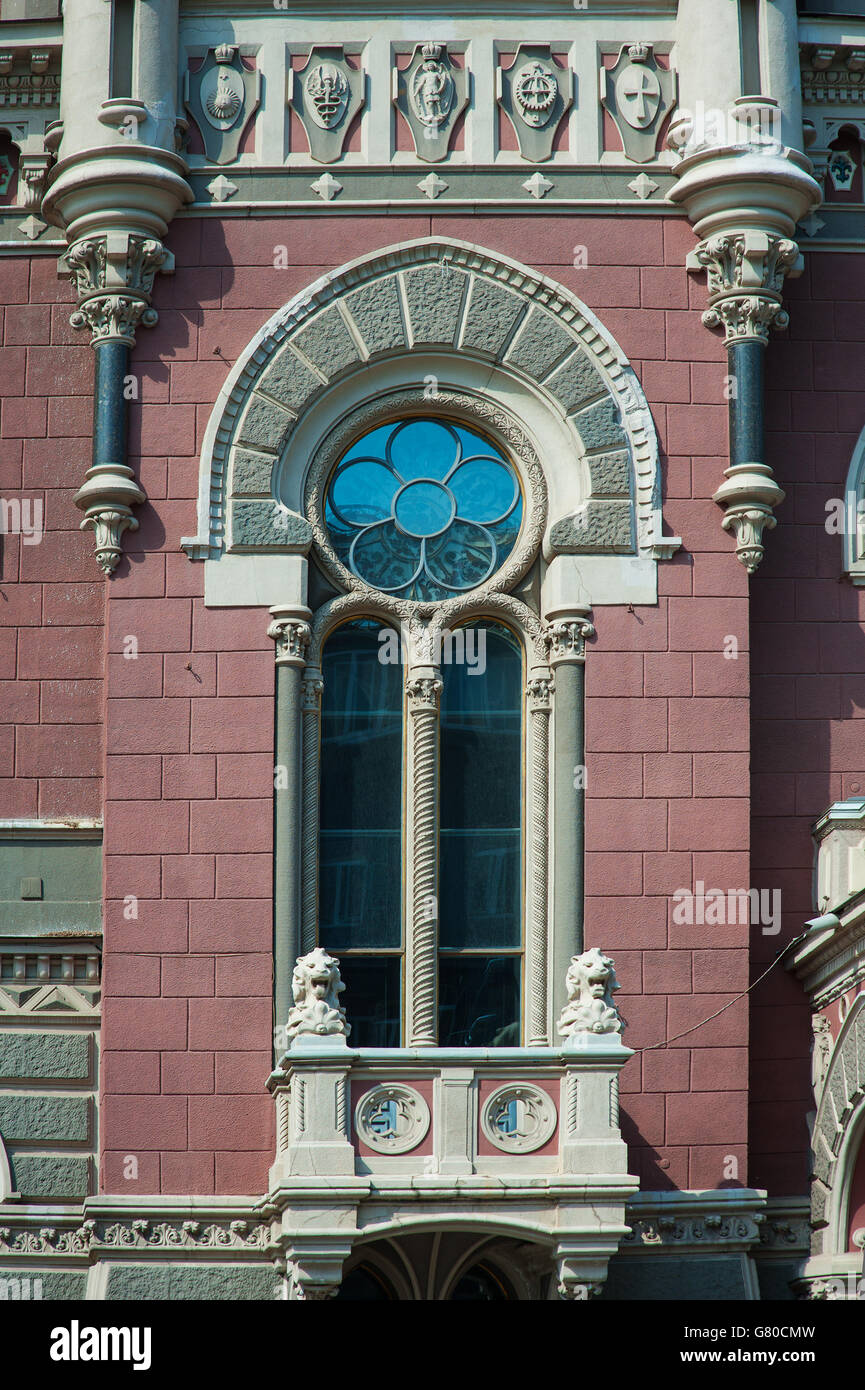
{"x":535,"y":94}
{"x":431,"y":94}
{"x":326,"y":94}
{"x":639,"y":94}
{"x":222,"y":96}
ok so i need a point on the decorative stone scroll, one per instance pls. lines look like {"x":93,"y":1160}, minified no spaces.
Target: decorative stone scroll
{"x":317,"y":985}
{"x":326,"y":94}
{"x":591,"y":982}
{"x":221,"y":97}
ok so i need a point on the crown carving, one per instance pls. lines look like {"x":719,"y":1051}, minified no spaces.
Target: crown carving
{"x":224,"y":53}
{"x":640,"y":52}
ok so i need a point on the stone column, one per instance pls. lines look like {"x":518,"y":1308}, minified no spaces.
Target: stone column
{"x":423,"y":688}
{"x":539,"y":692}
{"x":566,"y":638}
{"x":291,"y":633}
{"x":310,"y":706}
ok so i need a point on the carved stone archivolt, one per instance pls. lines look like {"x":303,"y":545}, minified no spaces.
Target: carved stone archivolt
{"x":839,"y":1120}
{"x":444,"y":296}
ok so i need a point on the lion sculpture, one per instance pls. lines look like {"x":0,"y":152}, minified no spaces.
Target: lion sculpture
{"x":316,"y":985}
{"x":591,"y":982}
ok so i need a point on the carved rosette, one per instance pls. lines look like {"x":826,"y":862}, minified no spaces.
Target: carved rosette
{"x":745,"y":277}
{"x":292,"y":638}
{"x":113,"y":277}
{"x":539,"y":693}
{"x":423,"y":691}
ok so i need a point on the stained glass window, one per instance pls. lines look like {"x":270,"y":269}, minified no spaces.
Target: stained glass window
{"x":424,"y":509}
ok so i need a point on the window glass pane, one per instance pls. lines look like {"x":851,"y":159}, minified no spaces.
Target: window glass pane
{"x":481,"y":792}
{"x":372,"y":999}
{"x":423,"y":508}
{"x":479,"y":1001}
{"x":361,"y":789}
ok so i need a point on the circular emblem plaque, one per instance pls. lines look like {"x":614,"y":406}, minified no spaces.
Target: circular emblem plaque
{"x":518,"y":1119}
{"x":392,"y":1119}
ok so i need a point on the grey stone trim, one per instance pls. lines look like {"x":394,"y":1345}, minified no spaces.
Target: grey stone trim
{"x":597,"y":526}
{"x":726,"y":1220}
{"x":414,"y":293}
{"x":44,"y":1056}
{"x":213,"y":1283}
{"x":252,"y":474}
{"x":41,"y":1119}
{"x":278,"y":190}
{"x":267,"y":526}
{"x":610,"y":474}
{"x":56,"y":1177}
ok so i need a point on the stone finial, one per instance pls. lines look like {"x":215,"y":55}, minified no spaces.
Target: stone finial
{"x":316,"y":985}
{"x":591,"y":982}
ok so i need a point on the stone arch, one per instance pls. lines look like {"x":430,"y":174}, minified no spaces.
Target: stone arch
{"x":398,"y":318}
{"x":838,"y":1130}
{"x":425,"y":1263}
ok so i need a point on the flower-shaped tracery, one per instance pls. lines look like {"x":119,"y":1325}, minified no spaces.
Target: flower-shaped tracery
{"x":424,"y":509}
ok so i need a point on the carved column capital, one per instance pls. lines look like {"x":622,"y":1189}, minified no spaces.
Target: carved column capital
{"x":113,"y":276}
{"x":423,"y":693}
{"x":745,"y":277}
{"x":539,"y":691}
{"x":566,"y":638}
{"x":310,"y":692}
{"x":292,"y":637}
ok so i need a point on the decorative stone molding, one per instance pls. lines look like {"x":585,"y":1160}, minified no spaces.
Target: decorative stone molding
{"x":639,"y":94}
{"x":439,"y":296}
{"x":50,"y":981}
{"x":317,"y":985}
{"x":694,"y":1222}
{"x":591,"y":982}
{"x":829,"y":958}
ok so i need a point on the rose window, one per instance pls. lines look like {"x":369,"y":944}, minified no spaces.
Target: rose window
{"x":423,"y":509}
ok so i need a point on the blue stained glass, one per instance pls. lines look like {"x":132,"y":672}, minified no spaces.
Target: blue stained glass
{"x":423,"y":508}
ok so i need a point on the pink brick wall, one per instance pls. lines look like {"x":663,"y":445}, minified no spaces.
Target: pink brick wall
{"x":808,"y":688}
{"x":51,"y":596}
{"x":188,"y":1018}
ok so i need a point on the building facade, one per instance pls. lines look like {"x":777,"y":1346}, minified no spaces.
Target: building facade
{"x":432,"y":810}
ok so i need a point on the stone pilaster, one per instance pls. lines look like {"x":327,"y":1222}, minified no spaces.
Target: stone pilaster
{"x":423,"y":688}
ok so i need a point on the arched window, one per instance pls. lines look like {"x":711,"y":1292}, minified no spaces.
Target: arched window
{"x":420,"y":830}
{"x":480,"y":922}
{"x":360,"y":825}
